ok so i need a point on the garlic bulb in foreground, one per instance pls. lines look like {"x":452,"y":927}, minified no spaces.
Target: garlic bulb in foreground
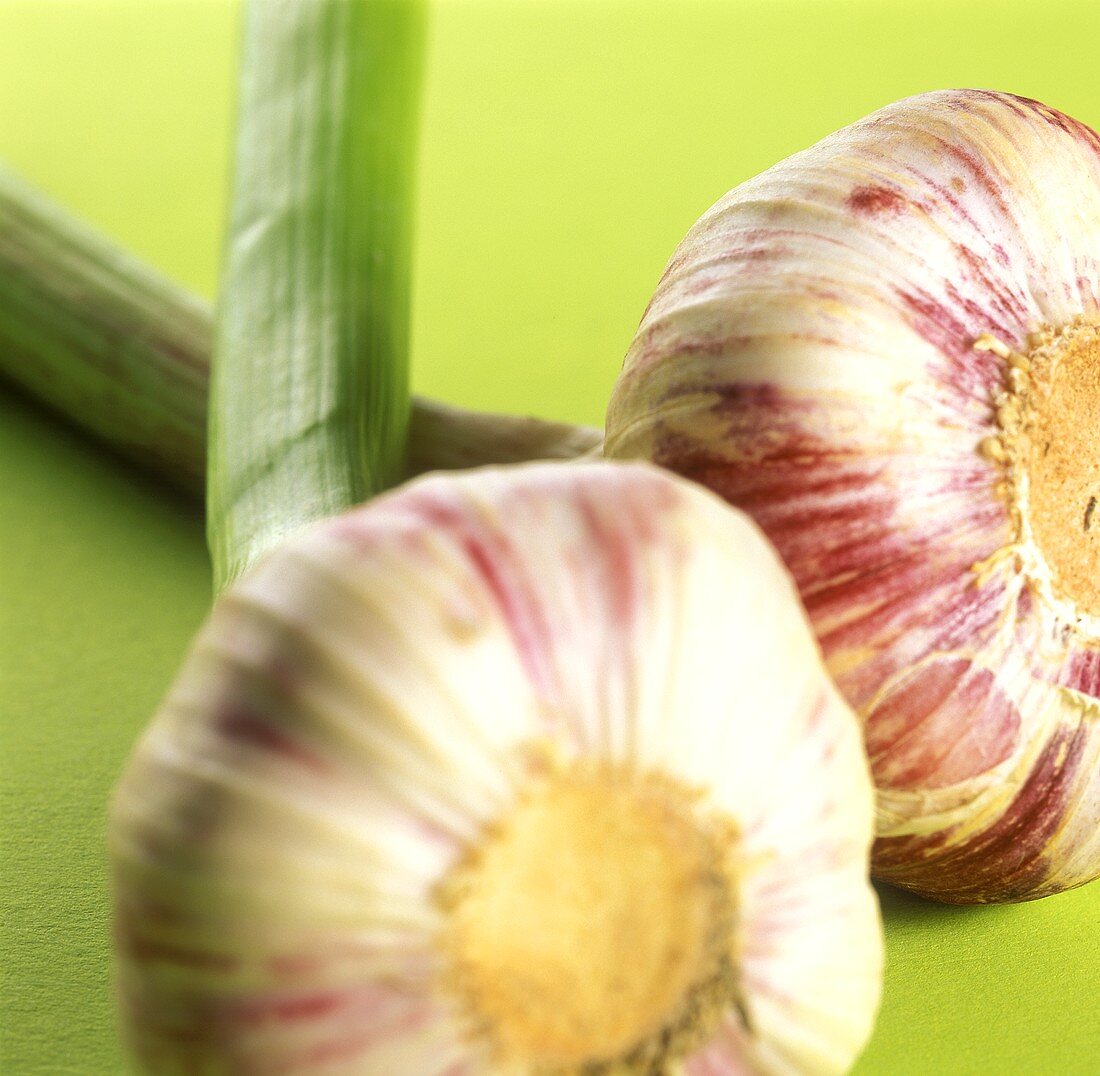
{"x":534,"y":770}
{"x":887,"y":350}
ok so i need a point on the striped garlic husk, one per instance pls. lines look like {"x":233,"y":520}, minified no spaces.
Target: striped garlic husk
{"x":366,"y":702}
{"x":828,"y":350}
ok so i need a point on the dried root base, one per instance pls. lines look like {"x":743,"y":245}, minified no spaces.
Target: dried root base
{"x":1048,"y":414}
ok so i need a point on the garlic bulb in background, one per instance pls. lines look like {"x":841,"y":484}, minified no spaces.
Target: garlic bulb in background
{"x":886,"y":349}
{"x":534,"y":770}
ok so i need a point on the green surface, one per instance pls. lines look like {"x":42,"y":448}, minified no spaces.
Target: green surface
{"x":567,"y":148}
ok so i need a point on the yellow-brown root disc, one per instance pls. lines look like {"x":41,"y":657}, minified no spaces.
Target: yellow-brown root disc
{"x":1050,"y":421}
{"x":593,"y":927}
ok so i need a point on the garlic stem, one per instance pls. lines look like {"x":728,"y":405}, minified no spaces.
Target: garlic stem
{"x":102,"y":338}
{"x":309,"y":397}
{"x":122,"y":352}
{"x":456,"y":438}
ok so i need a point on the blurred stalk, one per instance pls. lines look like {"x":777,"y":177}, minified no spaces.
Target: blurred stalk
{"x":123,"y":353}
{"x":96,"y":335}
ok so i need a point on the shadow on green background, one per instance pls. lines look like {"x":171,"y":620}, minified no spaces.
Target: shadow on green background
{"x":567,"y":147}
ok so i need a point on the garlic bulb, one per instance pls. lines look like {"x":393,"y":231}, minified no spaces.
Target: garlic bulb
{"x":534,"y":770}
{"x":886,"y":349}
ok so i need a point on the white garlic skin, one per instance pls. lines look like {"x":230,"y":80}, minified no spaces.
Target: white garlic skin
{"x":810,"y":355}
{"x":359,"y":708}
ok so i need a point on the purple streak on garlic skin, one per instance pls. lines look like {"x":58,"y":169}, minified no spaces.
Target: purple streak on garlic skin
{"x":367,"y":709}
{"x":810,"y":356}
{"x":915,"y":740}
{"x":1081,"y":671}
{"x":1005,"y":853}
{"x":253,"y":730}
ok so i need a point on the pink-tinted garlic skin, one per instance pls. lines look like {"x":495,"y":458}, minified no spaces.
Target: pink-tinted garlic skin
{"x":363,"y":704}
{"x":809,"y":355}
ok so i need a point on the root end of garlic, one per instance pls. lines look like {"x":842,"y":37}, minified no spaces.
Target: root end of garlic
{"x":594,"y":926}
{"x":1049,"y":420}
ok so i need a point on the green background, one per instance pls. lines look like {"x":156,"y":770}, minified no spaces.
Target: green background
{"x":566,"y":149}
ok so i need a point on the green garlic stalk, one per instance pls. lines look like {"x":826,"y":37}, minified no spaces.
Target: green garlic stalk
{"x":122,"y":352}
{"x":101,"y":338}
{"x":309,"y":398}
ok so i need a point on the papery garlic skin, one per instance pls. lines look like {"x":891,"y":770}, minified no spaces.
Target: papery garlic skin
{"x":376,"y":696}
{"x":835,"y":347}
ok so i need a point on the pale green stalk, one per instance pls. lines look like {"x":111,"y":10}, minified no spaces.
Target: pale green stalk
{"x":102,"y":338}
{"x":122,"y":352}
{"x":309,"y":397}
